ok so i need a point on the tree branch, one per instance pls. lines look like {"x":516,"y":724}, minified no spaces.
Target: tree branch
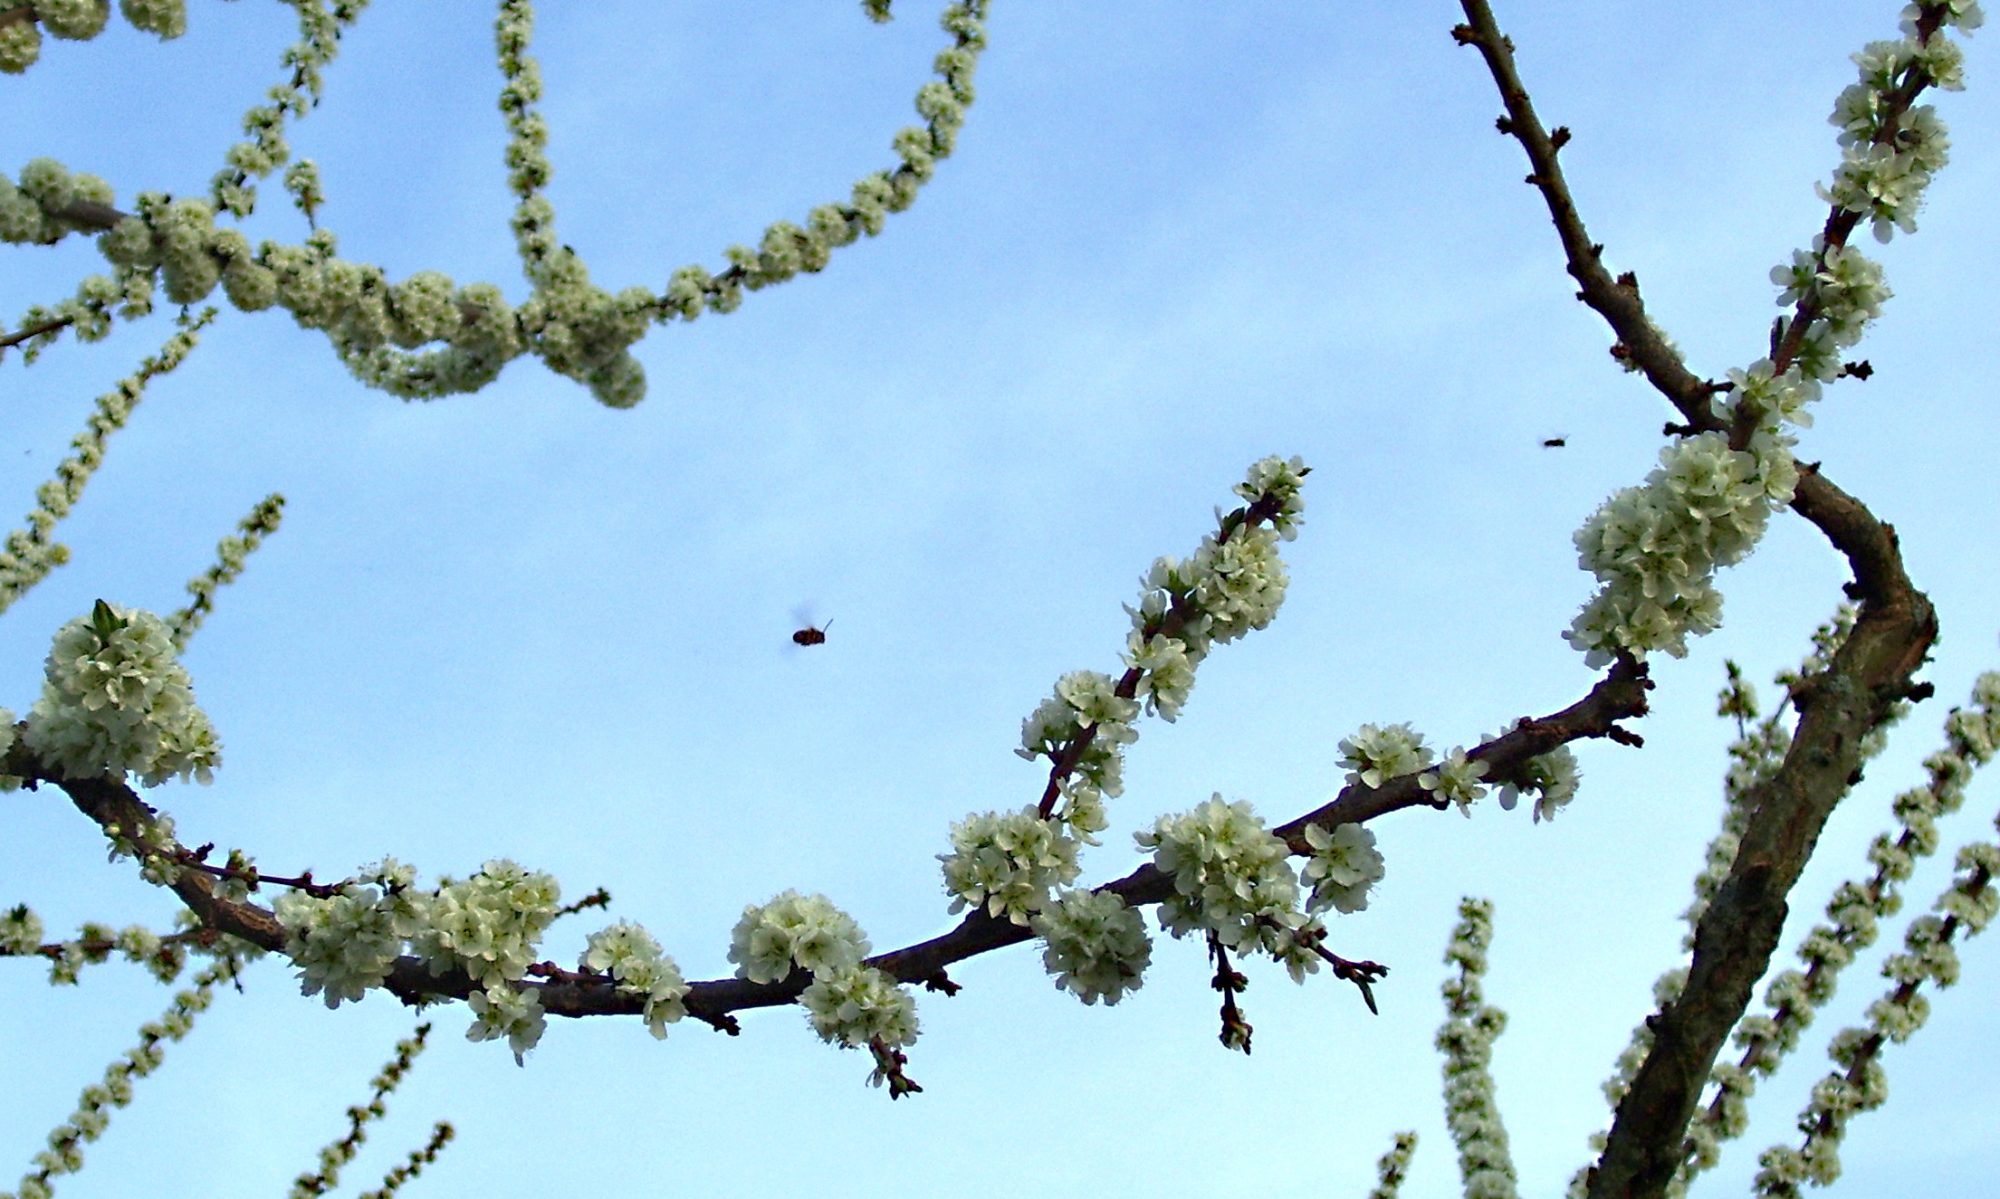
{"x":113,"y":806}
{"x":1616,"y":300}
{"x":1739,"y":932}
{"x":1872,"y":670}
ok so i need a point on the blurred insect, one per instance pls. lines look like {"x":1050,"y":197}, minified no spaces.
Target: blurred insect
{"x":811,"y":634}
{"x":1550,"y":443}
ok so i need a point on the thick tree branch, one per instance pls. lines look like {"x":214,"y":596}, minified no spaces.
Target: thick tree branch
{"x":1838,"y":709}
{"x":1739,"y":932}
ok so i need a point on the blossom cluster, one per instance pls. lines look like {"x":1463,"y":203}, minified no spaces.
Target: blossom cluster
{"x":32,"y":208}
{"x":344,"y":943}
{"x":1275,"y":485}
{"x":1885,"y":166}
{"x":20,"y":930}
{"x":1232,"y":880}
{"x":1552,"y":778}
{"x":1375,"y":754}
{"x":486,"y":926}
{"x":1457,"y":780}
{"x":1237,"y":585}
{"x":1854,"y":913}
{"x":632,"y":957}
{"x":1233,"y":584}
{"x":1656,"y":547}
{"x":232,"y":553}
{"x":511,"y":1012}
{"x":1394,"y":1166}
{"x":1094,"y":945}
{"x":1471,"y":1026}
{"x":1343,"y":867}
{"x":81,"y":20}
{"x":1085,"y":703}
{"x":8,"y":736}
{"x":584,"y":332}
{"x":576,"y":328}
{"x":233,"y":189}
{"x":116,"y":699}
{"x":795,"y":931}
{"x":164,"y":957}
{"x":1859,"y":1083}
{"x":1016,"y":865}
{"x":38,"y":211}
{"x":858,"y":1007}
{"x":1844,"y":290}
{"x":337,"y":1155}
{"x":1009,"y":864}
{"x":847,"y":1003}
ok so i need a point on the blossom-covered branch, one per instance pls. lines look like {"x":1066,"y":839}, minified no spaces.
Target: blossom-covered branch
{"x":1656,"y":545}
{"x":31,"y":552}
{"x":1216,"y":871}
{"x":578,"y":329}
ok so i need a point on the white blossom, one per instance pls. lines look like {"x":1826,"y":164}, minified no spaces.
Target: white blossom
{"x":1230,"y":877}
{"x":1167,"y":671}
{"x":20,"y":930}
{"x":1282,"y":480}
{"x":1552,"y":776}
{"x":855,"y":1005}
{"x":343,"y":944}
{"x":1456,"y":779}
{"x":505,"y":1010}
{"x":115,"y":699}
{"x":1374,"y":754}
{"x":488,"y":925}
{"x":1343,"y":867}
{"x":8,"y":736}
{"x":1007,"y":864}
{"x":795,"y":930}
{"x":1094,"y":945}
{"x":632,"y":957}
{"x":1239,"y":583}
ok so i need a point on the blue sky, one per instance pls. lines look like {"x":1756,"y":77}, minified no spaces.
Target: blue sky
{"x":519,"y":624}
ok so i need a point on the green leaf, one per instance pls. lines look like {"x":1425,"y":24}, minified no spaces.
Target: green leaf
{"x":104,"y":621}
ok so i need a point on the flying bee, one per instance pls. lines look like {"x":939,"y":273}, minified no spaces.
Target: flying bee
{"x":811,"y":634}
